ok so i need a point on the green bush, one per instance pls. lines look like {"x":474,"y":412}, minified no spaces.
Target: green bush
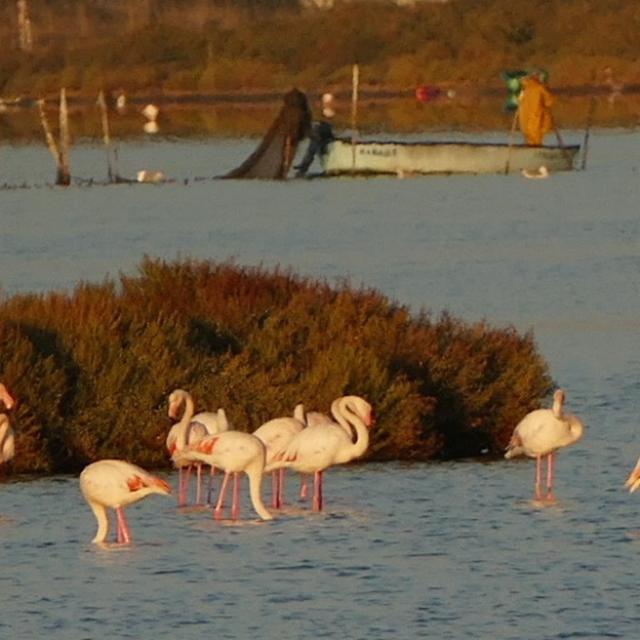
{"x":92,"y":369}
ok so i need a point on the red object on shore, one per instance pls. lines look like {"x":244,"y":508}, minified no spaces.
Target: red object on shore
{"x":426,"y":93}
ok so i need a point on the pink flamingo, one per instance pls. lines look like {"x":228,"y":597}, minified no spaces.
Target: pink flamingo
{"x":115,"y":484}
{"x":540,"y":434}
{"x":234,"y":452}
{"x":276,"y":435}
{"x":7,"y":439}
{"x":197,"y":427}
{"x":322,"y":445}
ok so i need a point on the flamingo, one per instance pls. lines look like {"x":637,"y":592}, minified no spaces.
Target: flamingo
{"x":7,"y":440}
{"x":540,"y":434}
{"x":320,"y":446}
{"x":276,"y":435}
{"x":234,"y":452}
{"x":311,"y":418}
{"x":198,"y":426}
{"x":115,"y":484}
{"x":633,"y":481}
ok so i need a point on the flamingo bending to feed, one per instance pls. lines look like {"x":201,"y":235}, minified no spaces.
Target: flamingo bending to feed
{"x":540,"y":434}
{"x":7,"y":440}
{"x":197,"y":427}
{"x":276,"y":435}
{"x":233,"y":452}
{"x":115,"y":484}
{"x":320,"y":446}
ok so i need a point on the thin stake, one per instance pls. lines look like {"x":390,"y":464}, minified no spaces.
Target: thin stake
{"x":513,"y":129}
{"x":355,"y":80}
{"x":585,"y":143}
{"x":51,"y":143}
{"x":64,"y":175}
{"x":106,"y":137}
{"x":565,"y":153}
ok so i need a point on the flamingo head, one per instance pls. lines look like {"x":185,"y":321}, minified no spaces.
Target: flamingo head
{"x":633,"y":481}
{"x":363,"y":409}
{"x":175,"y":402}
{"x":6,"y":398}
{"x":370,"y":420}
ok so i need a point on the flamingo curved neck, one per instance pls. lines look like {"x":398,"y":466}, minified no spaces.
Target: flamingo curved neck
{"x":558,"y":403}
{"x":255,"y":474}
{"x":299,"y":413}
{"x":185,"y":421}
{"x":103,"y":522}
{"x":349,"y":419}
{"x":4,"y":428}
{"x":223,"y":422}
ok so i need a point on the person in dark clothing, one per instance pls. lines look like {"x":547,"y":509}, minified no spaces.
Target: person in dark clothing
{"x":320,"y":135}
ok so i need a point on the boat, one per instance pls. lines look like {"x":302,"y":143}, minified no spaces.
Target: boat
{"x":339,"y":156}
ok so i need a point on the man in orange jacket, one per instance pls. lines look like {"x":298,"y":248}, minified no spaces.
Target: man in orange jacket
{"x":534,"y":109}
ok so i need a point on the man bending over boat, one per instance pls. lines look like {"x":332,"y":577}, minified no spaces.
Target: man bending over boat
{"x":534,"y":109}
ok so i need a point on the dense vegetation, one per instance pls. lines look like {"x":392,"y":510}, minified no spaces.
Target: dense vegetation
{"x":92,"y":369}
{"x":214,"y":45}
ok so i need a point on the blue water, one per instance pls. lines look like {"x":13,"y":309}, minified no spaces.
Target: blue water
{"x":446,"y":550}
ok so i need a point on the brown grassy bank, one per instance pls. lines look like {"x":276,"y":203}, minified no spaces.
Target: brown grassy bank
{"x":92,"y":369}
{"x":205,"y":46}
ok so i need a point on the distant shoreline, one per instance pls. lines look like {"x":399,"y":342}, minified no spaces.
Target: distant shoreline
{"x":251,"y":96}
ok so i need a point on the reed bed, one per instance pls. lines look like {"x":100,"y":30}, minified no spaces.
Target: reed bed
{"x":92,"y":368}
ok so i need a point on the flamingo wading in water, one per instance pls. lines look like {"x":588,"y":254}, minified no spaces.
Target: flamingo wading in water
{"x":115,"y":484}
{"x":322,"y":445}
{"x":196,"y":427}
{"x":233,"y":452}
{"x":540,"y":434}
{"x":276,"y":435}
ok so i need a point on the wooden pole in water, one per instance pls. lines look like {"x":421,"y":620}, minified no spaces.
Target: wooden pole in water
{"x":60,"y":156}
{"x":561,"y":144}
{"x":585,"y":143}
{"x":355,"y":81}
{"x":48,"y":135}
{"x":106,"y":137}
{"x":513,"y":129}
{"x":64,"y":174}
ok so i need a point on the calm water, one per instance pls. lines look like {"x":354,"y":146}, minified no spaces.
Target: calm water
{"x":452,"y":550}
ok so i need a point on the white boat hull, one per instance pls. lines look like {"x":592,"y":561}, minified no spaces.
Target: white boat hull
{"x":406,"y":158}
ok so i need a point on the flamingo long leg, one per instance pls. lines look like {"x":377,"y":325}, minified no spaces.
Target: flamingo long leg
{"x":550,"y":472}
{"x":280,"y":488}
{"x":217,"y":512}
{"x":275,"y":490}
{"x":198,"y":483}
{"x":235,"y":505}
{"x":317,"y":491}
{"x":183,"y":492}
{"x":123,"y":532}
{"x":304,"y":487}
{"x":180,"y":481}
{"x":210,"y":490}
{"x":538,"y":475}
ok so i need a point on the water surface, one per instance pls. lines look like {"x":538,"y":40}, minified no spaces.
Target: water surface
{"x":448,"y":550}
